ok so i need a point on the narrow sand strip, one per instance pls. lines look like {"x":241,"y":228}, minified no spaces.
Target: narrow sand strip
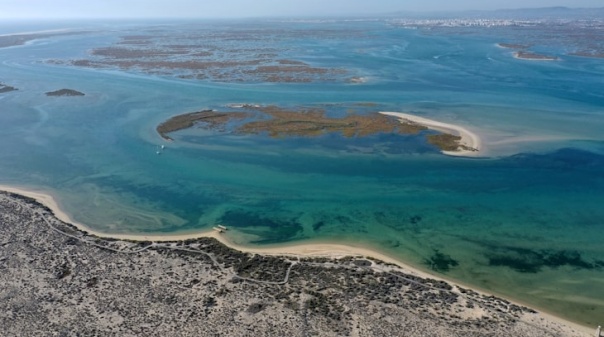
{"x":298,"y":250}
{"x":310,"y":249}
{"x":468,"y":138}
{"x":37,"y":32}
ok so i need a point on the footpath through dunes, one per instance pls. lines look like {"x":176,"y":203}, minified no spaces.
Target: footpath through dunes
{"x":153,"y":288}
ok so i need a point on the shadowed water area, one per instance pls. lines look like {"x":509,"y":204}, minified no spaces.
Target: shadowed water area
{"x":524,"y":221}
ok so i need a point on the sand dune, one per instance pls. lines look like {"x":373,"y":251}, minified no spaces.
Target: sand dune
{"x":303,"y":250}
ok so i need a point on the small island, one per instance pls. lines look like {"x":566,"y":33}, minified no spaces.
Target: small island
{"x":301,"y":122}
{"x":525,"y":55}
{"x":512,"y":45}
{"x":589,"y":54}
{"x":6,"y":88}
{"x":65,"y":92}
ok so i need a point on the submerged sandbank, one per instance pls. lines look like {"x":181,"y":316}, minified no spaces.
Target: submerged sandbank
{"x":308,"y":249}
{"x":470,"y":143}
{"x":326,"y":249}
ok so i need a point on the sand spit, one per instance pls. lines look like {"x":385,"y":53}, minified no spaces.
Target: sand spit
{"x":523,"y":55}
{"x":233,"y":283}
{"x":469,"y":140}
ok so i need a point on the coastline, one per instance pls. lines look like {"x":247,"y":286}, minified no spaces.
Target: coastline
{"x":329,"y":250}
{"x":468,"y":138}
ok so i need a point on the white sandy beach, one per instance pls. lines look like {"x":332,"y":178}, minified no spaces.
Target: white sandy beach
{"x":308,"y":250}
{"x":468,"y":138}
{"x":330,"y":250}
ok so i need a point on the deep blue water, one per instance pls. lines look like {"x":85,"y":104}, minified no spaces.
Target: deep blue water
{"x":525,"y":221}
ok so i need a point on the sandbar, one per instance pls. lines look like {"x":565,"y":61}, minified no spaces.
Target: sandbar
{"x":512,"y":46}
{"x":470,"y":143}
{"x":523,"y":55}
{"x":329,"y":250}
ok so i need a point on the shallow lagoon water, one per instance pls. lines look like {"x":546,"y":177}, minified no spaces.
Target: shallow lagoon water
{"x":525,"y":222}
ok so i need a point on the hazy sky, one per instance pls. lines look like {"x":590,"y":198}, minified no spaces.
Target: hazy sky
{"x":251,"y":8}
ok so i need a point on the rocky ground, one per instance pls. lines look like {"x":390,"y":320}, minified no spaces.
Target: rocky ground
{"x":58,"y":281}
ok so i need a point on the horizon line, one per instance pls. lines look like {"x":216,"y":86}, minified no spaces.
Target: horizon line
{"x":286,"y":16}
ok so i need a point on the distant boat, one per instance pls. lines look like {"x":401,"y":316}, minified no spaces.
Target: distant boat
{"x":163,"y":147}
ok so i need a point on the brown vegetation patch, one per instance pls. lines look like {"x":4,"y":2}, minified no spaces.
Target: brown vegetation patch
{"x":127,"y":53}
{"x":279,"y":122}
{"x":448,"y":142}
{"x":534,"y":56}
{"x":513,"y":45}
{"x":445,"y":141}
{"x":209,"y":118}
{"x":65,"y":92}
{"x":210,"y":56}
{"x":292,"y":62}
{"x":6,"y":88}
{"x":311,"y":123}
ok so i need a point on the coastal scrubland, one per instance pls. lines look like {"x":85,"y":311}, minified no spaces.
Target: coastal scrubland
{"x":58,"y":280}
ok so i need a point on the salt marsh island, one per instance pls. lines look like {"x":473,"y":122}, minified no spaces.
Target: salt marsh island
{"x":279,"y":122}
{"x":65,"y":92}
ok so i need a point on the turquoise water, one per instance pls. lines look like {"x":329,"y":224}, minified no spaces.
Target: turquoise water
{"x":525,"y":221}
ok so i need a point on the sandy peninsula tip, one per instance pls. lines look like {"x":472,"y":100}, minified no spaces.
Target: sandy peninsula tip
{"x":469,"y":144}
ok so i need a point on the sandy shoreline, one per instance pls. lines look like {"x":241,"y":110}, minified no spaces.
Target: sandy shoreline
{"x":468,"y":138}
{"x":309,"y":249}
{"x":331,"y":250}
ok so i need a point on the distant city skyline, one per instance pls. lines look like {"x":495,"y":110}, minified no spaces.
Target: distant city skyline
{"x":15,"y":9}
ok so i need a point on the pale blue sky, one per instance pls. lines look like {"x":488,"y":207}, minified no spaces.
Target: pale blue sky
{"x":252,"y":8}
